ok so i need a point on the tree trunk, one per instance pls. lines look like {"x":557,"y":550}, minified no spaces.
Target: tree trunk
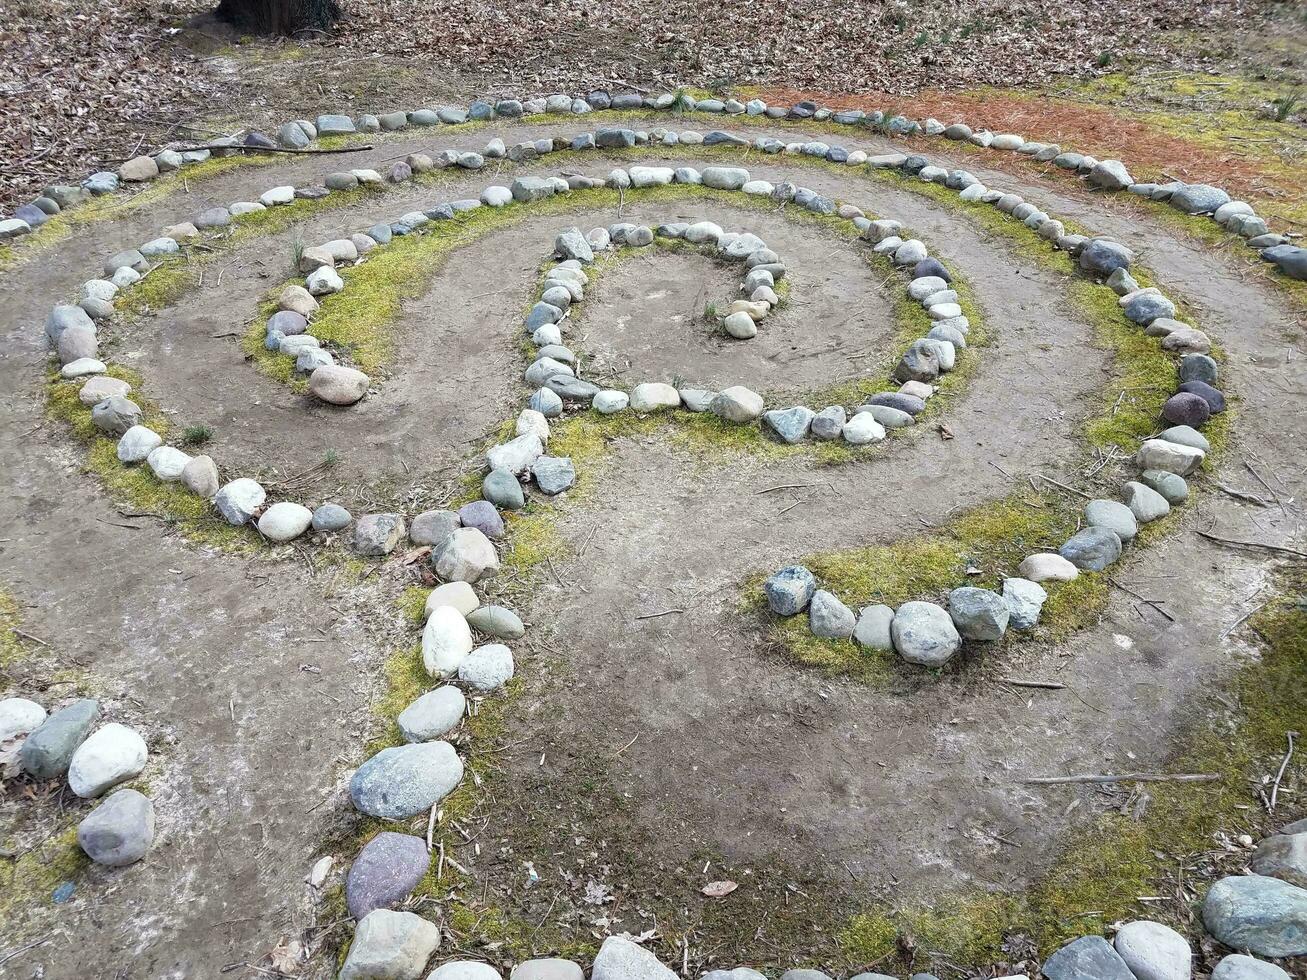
{"x":279,"y":16}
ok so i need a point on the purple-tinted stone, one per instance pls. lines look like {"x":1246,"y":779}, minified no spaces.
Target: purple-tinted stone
{"x":33,"y":215}
{"x":1214,"y":398}
{"x":400,"y":172}
{"x":931,"y":267}
{"x":254,"y":138}
{"x":1186,"y":409}
{"x":482,"y":515}
{"x":288,"y":323}
{"x":896,"y":399}
{"x":387,"y":869}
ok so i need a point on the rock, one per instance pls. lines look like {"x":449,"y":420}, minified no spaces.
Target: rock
{"x":50,"y":747}
{"x":1187,"y":341}
{"x":378,"y":534}
{"x":502,"y":489}
{"x":1145,"y":503}
{"x":338,"y":385}
{"x":829,"y":423}
{"x":1112,"y":515}
{"x":433,"y":714}
{"x":873,"y":628}
{"x":1092,"y":548}
{"x":1214,"y":398}
{"x":790,"y":590}
{"x":432,"y":527}
{"x":465,"y":556}
{"x":725,"y":178}
{"x":387,"y":869}
{"x":978,"y":614}
{"x":1237,"y":966}
{"x":828,"y":617}
{"x":1171,"y":486}
{"x":611,"y":402}
{"x":741,"y":326}
{"x":487,"y":668}
{"x":464,"y":970}
{"x":456,"y":595}
{"x":113,"y":755}
{"x":1025,"y":600}
{"x":138,"y":169}
{"x":1158,"y":454}
{"x":482,"y":515}
{"x":1198,"y":198}
{"x":516,"y":455}
{"x":1144,"y":308}
{"x":863,"y":429}
{"x":403,"y":781}
{"x":331,"y":517}
{"x":1152,"y":951}
{"x":446,"y":640}
{"x":924,"y":634}
{"x":553,"y":474}
{"x":791,"y":425}
{"x":82,"y":367}
{"x":531,"y":422}
{"x":556,"y":969}
{"x":167,"y":463}
{"x":200,"y":477}
{"x":323,"y":281}
{"x":115,"y":415}
{"x":99,"y":388}
{"x":654,"y":396}
{"x":285,"y":521}
{"x":390,"y":946}
{"x":547,"y":403}
{"x":1263,"y":915}
{"x":1102,"y":257}
{"x":1282,"y":856}
{"x":1185,"y":408}
{"x":119,"y":831}
{"x":18,"y":716}
{"x":621,"y":959}
{"x":1111,"y":175}
{"x":737,"y":404}
{"x":137,"y":443}
{"x":497,"y":621}
{"x":1087,"y":958}
{"x":920,"y":362}
{"x":1047,"y":567}
{"x":572,"y":244}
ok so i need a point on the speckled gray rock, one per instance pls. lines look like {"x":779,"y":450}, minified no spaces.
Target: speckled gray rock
{"x":433,"y":714}
{"x":1238,"y":966}
{"x":829,"y":422}
{"x":1092,"y":548}
{"x":924,"y":634}
{"x":737,"y":404}
{"x":502,"y":489}
{"x":1171,"y":486}
{"x":1112,"y":515}
{"x":115,"y":415}
{"x":497,"y":621}
{"x":432,"y":527}
{"x":1025,"y":600}
{"x":790,"y":590}
{"x":621,"y":959}
{"x":119,"y":831}
{"x":405,"y":780}
{"x":547,"y":969}
{"x":1087,"y":958}
{"x":873,"y":628}
{"x":553,"y":474}
{"x":482,"y":515}
{"x":48,"y":750}
{"x":1153,"y":951}
{"x":1145,"y":503}
{"x":390,"y":945}
{"x":791,"y":425}
{"x":487,"y":668}
{"x":828,"y":617}
{"x":1282,"y":856}
{"x":978,"y":614}
{"x":1102,"y":257}
{"x":378,"y":534}
{"x":465,"y":556}
{"x":1198,"y":198}
{"x":1263,"y":915}
{"x":385,"y":871}
{"x":331,"y":517}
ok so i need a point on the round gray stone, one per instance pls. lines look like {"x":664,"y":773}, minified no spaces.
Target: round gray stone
{"x":403,"y":781}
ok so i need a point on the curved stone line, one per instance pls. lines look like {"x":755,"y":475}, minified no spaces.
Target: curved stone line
{"x":1110,"y":175}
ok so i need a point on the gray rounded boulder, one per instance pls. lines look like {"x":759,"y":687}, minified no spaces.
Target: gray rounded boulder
{"x":924,"y":634}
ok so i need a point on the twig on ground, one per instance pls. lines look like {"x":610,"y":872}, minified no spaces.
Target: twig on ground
{"x":241,"y":147}
{"x":1244,"y":495}
{"x":1280,"y":549}
{"x":1055,"y":483}
{"x":665,"y":612}
{"x":1275,"y":790}
{"x":1048,"y":685}
{"x":1156,"y":604}
{"x":1126,"y":777}
{"x":785,"y":486}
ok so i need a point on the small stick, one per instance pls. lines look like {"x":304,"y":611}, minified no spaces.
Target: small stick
{"x":431,"y":825}
{"x":1152,"y":602}
{"x":274,"y":149}
{"x":627,"y":745}
{"x":1064,"y":486}
{"x":786,"y":486}
{"x":1048,"y":685}
{"x":28,"y":636}
{"x":665,"y":612}
{"x":1251,"y":498}
{"x":1275,"y":790}
{"x":1127,"y":777}
{"x":1253,"y":544}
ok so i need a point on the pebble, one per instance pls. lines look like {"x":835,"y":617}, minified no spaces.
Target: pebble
{"x":113,"y":755}
{"x":924,"y":634}
{"x":405,"y":780}
{"x":1112,"y":515}
{"x":446,"y":640}
{"x":285,"y":521}
{"x":1047,"y":567}
{"x":388,"y":868}
{"x":331,"y":517}
{"x":378,"y":534}
{"x":1153,"y":951}
{"x":873,"y":628}
{"x":1092,"y":548}
{"x":621,"y":959}
{"x":432,"y":527}
{"x":1087,"y":958}
{"x":465,"y":556}
{"x":18,"y":716}
{"x":119,"y":831}
{"x":497,"y":621}
{"x":433,"y":714}
{"x":390,"y":945}
{"x":1263,"y":915}
{"x":978,"y":614}
{"x":487,"y":668}
{"x":828,"y":617}
{"x":49,"y":748}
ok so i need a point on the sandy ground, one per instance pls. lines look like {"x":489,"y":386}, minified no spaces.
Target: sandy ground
{"x":737,"y":751}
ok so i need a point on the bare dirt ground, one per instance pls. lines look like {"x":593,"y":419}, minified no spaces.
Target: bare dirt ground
{"x":253,"y":677}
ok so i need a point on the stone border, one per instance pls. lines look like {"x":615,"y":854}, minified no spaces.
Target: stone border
{"x":407,"y":780}
{"x":1237,"y":217}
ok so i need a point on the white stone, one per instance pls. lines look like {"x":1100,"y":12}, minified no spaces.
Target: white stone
{"x":1158,"y":454}
{"x":434,"y":714}
{"x":609,"y":402}
{"x":18,"y":716}
{"x":621,"y":959}
{"x":464,"y":970}
{"x":487,"y":667}
{"x":533,"y":423}
{"x":1154,"y":951}
{"x":517,"y":454}
{"x":137,"y":443}
{"x":285,"y":521}
{"x":390,"y":945}
{"x":653,"y":396}
{"x":460,"y":595}
{"x":862,"y":429}
{"x":239,"y":499}
{"x":1047,"y":567}
{"x":167,"y":463}
{"x":277,"y":195}
{"x":82,"y":367}
{"x":112,"y":755}
{"x":324,"y":280}
{"x":465,"y":556}
{"x":446,"y":640}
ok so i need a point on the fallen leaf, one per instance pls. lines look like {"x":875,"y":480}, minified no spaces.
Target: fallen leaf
{"x":719,"y":889}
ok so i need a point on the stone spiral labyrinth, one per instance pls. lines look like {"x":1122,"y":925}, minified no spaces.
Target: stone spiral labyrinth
{"x":622,"y":543}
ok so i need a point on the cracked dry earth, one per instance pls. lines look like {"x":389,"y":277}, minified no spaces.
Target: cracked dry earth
{"x":253,"y":676}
